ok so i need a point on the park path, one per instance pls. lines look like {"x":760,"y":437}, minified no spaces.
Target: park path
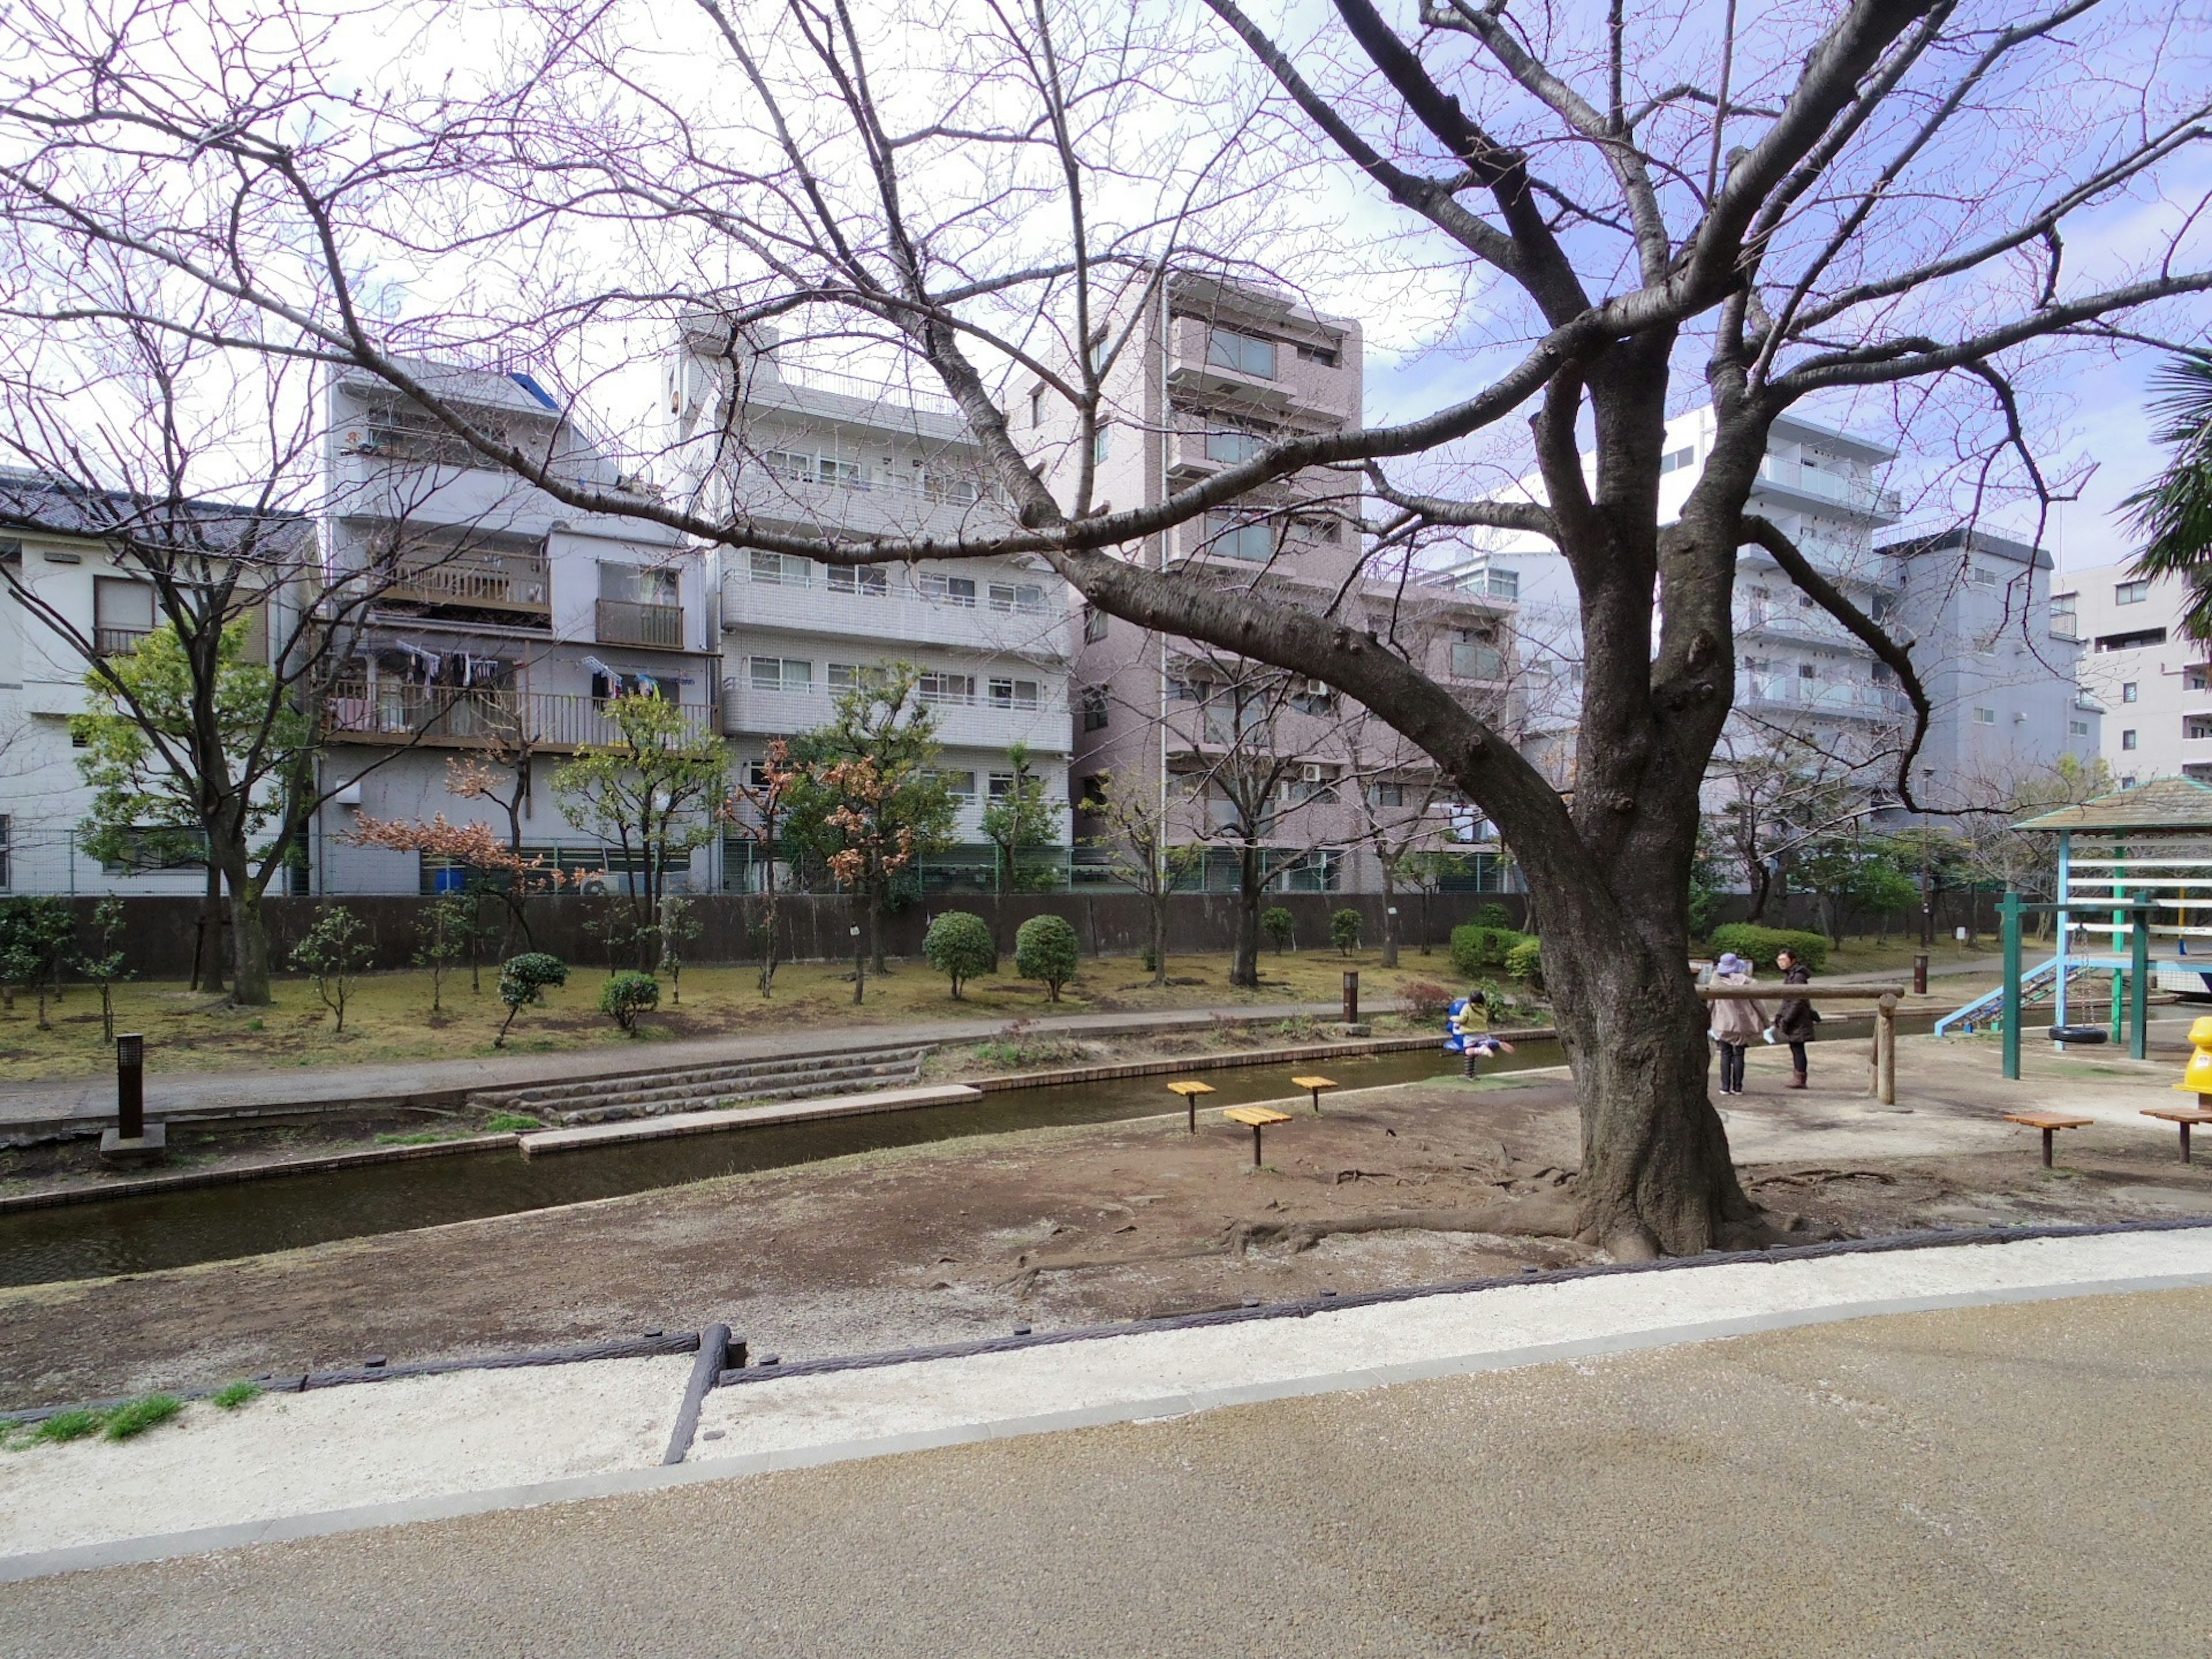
{"x":73,"y":1104}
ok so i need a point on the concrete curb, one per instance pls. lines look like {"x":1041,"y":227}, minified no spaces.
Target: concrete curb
{"x":626,"y":1482}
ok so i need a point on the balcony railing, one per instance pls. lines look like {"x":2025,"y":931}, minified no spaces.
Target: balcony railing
{"x":626,"y":622}
{"x":1860,"y":495}
{"x":493,"y":581}
{"x":118,"y":642}
{"x":395,"y":712}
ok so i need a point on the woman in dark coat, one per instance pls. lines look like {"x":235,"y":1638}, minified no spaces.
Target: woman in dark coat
{"x":1797,"y":1022}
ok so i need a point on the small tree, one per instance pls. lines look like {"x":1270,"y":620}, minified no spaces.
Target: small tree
{"x":334,"y":951}
{"x":1141,"y":855}
{"x":756,"y":809}
{"x":103,"y":966}
{"x":442,"y":938}
{"x":679,"y":924}
{"x":959,"y":945}
{"x":1045,"y":948}
{"x":629,"y":995}
{"x":1020,"y":821}
{"x":33,"y":934}
{"x":1344,"y":930}
{"x":1281,"y":927}
{"x":524,"y":980}
{"x":491,"y":867}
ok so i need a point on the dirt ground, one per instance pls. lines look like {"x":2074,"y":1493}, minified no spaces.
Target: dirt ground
{"x":1063,"y":1226}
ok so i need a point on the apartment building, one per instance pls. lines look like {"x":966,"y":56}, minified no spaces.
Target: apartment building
{"x":1210,"y":371}
{"x":1803,"y":684}
{"x":817,"y":452}
{"x":501,"y":624}
{"x":2152,"y":682}
{"x":71,"y":550}
{"x":1999,"y":664}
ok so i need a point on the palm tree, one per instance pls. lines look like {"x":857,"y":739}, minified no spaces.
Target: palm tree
{"x":2174,"y":510}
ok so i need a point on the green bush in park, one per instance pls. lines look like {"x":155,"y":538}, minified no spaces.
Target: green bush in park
{"x":524,"y":980}
{"x":1281,"y":927}
{"x":1493,"y":916}
{"x":1760,"y":944}
{"x":1525,"y":961}
{"x":334,"y":953}
{"x":959,"y":945}
{"x":627,"y":995}
{"x":1476,"y":948}
{"x":1343,"y":929}
{"x":1045,"y":949}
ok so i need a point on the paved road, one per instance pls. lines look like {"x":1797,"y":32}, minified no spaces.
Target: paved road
{"x":2009,"y":1480}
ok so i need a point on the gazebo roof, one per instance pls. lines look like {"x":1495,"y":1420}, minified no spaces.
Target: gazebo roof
{"x":2177,"y":804}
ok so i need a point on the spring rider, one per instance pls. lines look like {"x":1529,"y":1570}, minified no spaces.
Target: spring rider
{"x":1462,"y":1036}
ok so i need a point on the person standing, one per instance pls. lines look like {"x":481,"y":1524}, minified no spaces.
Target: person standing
{"x":1736,"y":1021}
{"x":1797,"y":1022}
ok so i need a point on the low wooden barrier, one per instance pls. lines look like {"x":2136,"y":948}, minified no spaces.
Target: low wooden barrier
{"x":1885,"y":998}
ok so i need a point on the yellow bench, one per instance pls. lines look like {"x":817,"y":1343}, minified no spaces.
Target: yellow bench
{"x":1190,"y":1090}
{"x":1257,"y":1118}
{"x":1315,"y":1084}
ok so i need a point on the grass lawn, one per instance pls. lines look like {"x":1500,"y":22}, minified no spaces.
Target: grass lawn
{"x":389,"y":1017}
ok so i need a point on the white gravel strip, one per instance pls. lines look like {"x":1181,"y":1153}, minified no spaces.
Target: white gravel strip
{"x":1167,"y":1372}
{"x":330,"y":1449}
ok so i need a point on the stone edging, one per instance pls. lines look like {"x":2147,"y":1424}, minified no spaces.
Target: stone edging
{"x":1349,"y":1047}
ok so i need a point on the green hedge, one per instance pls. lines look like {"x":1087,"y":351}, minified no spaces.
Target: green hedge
{"x":1525,"y":961}
{"x":1760,"y":944}
{"x":1476,"y":948}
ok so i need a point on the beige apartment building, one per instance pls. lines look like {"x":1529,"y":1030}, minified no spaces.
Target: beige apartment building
{"x":2139,"y":667}
{"x":1207,"y":374}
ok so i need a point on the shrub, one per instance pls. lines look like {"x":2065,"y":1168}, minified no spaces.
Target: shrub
{"x":33,"y":933}
{"x":1492,"y":915}
{"x":1425,"y":999}
{"x":334,"y":951}
{"x":1281,"y":927}
{"x":1525,"y":963}
{"x":1045,"y":948}
{"x":1476,"y":948}
{"x":629,"y":995}
{"x":524,"y":980}
{"x":1760,"y":944}
{"x":1343,"y":929}
{"x":135,"y":1417}
{"x":959,"y":945}
{"x":231,"y":1395}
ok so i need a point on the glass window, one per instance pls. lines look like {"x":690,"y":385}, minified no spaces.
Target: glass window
{"x":1001,"y":784}
{"x":2077,"y":728}
{"x":1036,"y":407}
{"x":1094,"y":624}
{"x":871,"y":581}
{"x":2196,"y":726}
{"x":2130,"y":691}
{"x":1675,"y":459}
{"x":2128,"y":738}
{"x":1013,"y":693}
{"x":849,"y":677}
{"x":2134,"y":592}
{"x":937,"y":686}
{"x":1389,"y":794}
{"x":961,"y":786}
{"x":2196,"y":678}
{"x":948,"y":590}
{"x":1503,"y":584}
{"x":1475,"y":660}
{"x":782,"y":569}
{"x":1985,"y":717}
{"x":782,"y":674}
{"x":1102,"y":442}
{"x":1094,"y":707}
{"x":1981,"y":575}
{"x":1235,"y":537}
{"x":1233,"y":444}
{"x":1028,"y":598}
{"x":1247,"y":354}
{"x":1325,"y":355}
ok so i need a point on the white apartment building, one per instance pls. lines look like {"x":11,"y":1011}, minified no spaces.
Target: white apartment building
{"x":503,"y":623}
{"x":1211,"y":371}
{"x":819,"y":452}
{"x":2152,"y":680}
{"x":71,"y":550}
{"x":1800,"y":679}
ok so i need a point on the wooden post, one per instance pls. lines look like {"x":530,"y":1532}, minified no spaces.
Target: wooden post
{"x":130,"y":1087}
{"x":1885,"y":1050}
{"x":1352,"y":996}
{"x":1920,"y":975}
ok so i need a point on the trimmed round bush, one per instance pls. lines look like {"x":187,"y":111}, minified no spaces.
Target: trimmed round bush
{"x":1525,"y":961}
{"x":959,"y":945}
{"x":1476,"y":948}
{"x":629,"y":995}
{"x":524,"y":980}
{"x":1279,"y":926}
{"x":1045,"y":948}
{"x":1343,"y":929}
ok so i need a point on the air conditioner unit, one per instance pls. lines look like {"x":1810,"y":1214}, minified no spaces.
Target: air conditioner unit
{"x":347,"y":795}
{"x":1317,"y":688}
{"x":1313,"y":774}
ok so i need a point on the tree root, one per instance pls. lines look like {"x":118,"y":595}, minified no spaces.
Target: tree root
{"x":1542,"y":1215}
{"x":1023,"y":1282}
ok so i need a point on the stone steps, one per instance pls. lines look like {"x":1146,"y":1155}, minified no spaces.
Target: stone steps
{"x":702,"y":1088}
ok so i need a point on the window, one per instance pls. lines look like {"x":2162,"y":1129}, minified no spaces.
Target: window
{"x":2136,"y":641}
{"x":1237,"y":538}
{"x":122,"y":613}
{"x":1473,"y":658}
{"x":1233,"y":444}
{"x":1187,"y":691}
{"x":1981,"y":575}
{"x":2196,"y":678}
{"x":999,"y":784}
{"x":757,"y":774}
{"x":851,"y":676}
{"x":1027,"y":598}
{"x":1675,"y":459}
{"x":1501,"y":584}
{"x":2130,"y":691}
{"x":2063,"y":614}
{"x":2196,"y":726}
{"x":1102,"y":442}
{"x":1323,"y":354}
{"x":1094,"y":624}
{"x":803,"y":468}
{"x":947,"y":590}
{"x":2128,"y":738}
{"x":939,"y":686}
{"x":782,"y":674}
{"x":782,"y":570}
{"x":1985,"y":717}
{"x":626,"y":683}
{"x":2128,"y":781}
{"x":2134,"y":592}
{"x":1247,"y":354}
{"x":961,"y":786}
{"x":1013,"y":693}
{"x":157,"y":847}
{"x":868,"y":581}
{"x":1806,"y":670}
{"x":959,"y":492}
{"x":1094,"y":707}
{"x":2077,"y":728}
{"x":1036,"y":407}
{"x":1389,"y":794}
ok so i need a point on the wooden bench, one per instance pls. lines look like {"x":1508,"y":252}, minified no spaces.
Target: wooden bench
{"x":1257,"y":1118}
{"x":1316,"y":1085}
{"x":2183,"y":1116}
{"x":2051,"y":1123}
{"x":1190,"y":1090}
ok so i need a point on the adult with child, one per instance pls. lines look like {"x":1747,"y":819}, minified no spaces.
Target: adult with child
{"x":1736,"y":1021}
{"x":1797,"y":1022}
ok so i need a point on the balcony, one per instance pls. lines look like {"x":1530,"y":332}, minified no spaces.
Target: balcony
{"x":1861,"y":496}
{"x":944,"y":507}
{"x":1794,"y":623}
{"x":973,"y":722}
{"x":392,"y":712}
{"x":901,"y":615}
{"x":118,"y":642}
{"x":627,"y":621}
{"x":1823,"y":697}
{"x":519,"y":583}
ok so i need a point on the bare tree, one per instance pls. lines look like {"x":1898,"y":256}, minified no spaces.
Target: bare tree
{"x":1142,"y":853}
{"x":1872,"y":200}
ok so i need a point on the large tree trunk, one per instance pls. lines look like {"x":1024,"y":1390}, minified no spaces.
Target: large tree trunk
{"x":249,"y":946}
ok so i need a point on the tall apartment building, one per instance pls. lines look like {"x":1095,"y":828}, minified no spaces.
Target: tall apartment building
{"x":71,"y":551}
{"x":1211,"y":371}
{"x":2152,"y":680}
{"x":819,"y":452}
{"x":1997,"y":662}
{"x":504,"y":623}
{"x":1802,"y":682}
